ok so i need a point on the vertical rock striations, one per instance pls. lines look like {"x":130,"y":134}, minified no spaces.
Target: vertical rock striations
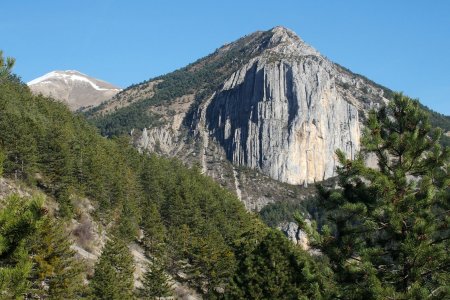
{"x":282,"y":114}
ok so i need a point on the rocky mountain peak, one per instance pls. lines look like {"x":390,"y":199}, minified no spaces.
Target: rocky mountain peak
{"x":78,"y":90}
{"x":286,"y":42}
{"x":282,"y":34}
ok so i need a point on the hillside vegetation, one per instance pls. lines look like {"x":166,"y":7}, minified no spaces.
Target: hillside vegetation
{"x":192,"y":229}
{"x":201,"y":78}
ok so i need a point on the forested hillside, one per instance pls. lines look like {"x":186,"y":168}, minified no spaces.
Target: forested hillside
{"x":193,"y":231}
{"x":382,"y":233}
{"x":201,"y":78}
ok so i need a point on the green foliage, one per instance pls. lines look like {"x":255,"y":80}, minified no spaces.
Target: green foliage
{"x":6,"y":66}
{"x":441,"y":121}
{"x":18,"y":222}
{"x":273,"y":214}
{"x":155,"y":284}
{"x":35,"y":255}
{"x":387,"y":228}
{"x":201,"y":78}
{"x":56,"y":274}
{"x":273,"y":268}
{"x":154,"y":230}
{"x":113,"y":277}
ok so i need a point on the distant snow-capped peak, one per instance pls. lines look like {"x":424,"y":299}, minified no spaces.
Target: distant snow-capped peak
{"x":78,"y":90}
{"x":72,"y":75}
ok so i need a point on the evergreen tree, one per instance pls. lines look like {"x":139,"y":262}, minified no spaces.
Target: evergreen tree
{"x":56,"y":274}
{"x":155,"y":283}
{"x":113,"y":276}
{"x":18,"y":221}
{"x":271,"y":267}
{"x":210,"y":263}
{"x":387,"y":232}
{"x":6,"y":66}
{"x":154,"y":230}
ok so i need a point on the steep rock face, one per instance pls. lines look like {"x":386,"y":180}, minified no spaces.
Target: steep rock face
{"x":284,"y":118}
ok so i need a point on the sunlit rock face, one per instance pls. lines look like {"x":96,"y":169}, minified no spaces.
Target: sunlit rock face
{"x":285,"y":116}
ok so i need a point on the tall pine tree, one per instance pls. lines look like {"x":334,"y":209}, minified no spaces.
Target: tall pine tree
{"x":18,"y":221}
{"x":56,"y":273}
{"x":156,"y":282}
{"x":387,"y":230}
{"x":113,"y":276}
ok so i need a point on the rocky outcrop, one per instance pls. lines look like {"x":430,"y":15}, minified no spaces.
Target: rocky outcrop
{"x":295,"y":234}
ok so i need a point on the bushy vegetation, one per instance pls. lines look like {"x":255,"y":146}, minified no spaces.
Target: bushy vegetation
{"x":35,"y":254}
{"x":273,"y":214}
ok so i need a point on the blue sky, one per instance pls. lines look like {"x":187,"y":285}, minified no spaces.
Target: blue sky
{"x":402,"y":44}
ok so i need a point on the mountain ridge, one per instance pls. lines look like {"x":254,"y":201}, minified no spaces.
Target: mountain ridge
{"x":268,"y":102}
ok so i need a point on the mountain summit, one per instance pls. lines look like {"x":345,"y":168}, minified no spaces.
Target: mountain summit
{"x":267,"y":102}
{"x":77,"y":89}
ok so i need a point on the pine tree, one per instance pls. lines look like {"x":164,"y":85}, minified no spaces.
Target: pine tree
{"x":6,"y":66}
{"x":155,"y":283}
{"x":271,"y":267}
{"x":113,"y":276}
{"x":154,"y":230}
{"x":56,"y":274}
{"x":18,"y":221}
{"x":387,"y":232}
{"x":211,"y":262}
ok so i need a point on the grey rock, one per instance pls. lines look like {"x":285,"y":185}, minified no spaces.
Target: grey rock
{"x":284,"y":118}
{"x":295,"y":234}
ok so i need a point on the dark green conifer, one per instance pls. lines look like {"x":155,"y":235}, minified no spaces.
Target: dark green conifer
{"x":155,"y":283}
{"x":387,"y":232}
{"x":18,"y":222}
{"x":113,"y":277}
{"x":56,"y":273}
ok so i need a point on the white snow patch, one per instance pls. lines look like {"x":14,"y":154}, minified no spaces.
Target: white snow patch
{"x":42,"y":78}
{"x":68,"y":75}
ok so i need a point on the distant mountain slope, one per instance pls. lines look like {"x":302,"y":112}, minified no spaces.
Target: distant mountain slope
{"x":78,"y":90}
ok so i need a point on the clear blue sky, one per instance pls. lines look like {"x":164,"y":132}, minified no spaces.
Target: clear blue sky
{"x":402,"y":44}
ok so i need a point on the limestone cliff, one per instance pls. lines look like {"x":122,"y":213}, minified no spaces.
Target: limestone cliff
{"x":267,"y":102}
{"x":285,"y":118}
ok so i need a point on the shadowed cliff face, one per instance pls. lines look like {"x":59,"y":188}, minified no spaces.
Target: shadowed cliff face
{"x":284,"y":118}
